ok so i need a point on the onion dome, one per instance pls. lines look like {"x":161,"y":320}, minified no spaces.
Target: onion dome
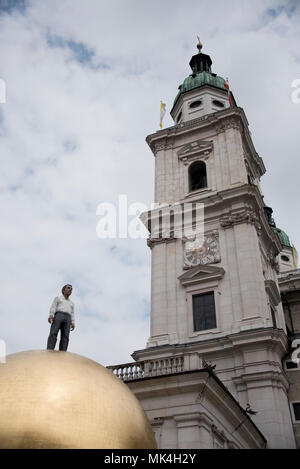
{"x":283,"y":237}
{"x":201,"y":74}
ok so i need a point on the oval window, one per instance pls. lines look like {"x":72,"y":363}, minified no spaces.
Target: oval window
{"x":195,"y":104}
{"x":217,"y":103}
{"x":179,"y":117}
{"x":285,"y":258}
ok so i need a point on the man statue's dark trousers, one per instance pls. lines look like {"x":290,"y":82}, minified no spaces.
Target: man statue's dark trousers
{"x":62,"y":322}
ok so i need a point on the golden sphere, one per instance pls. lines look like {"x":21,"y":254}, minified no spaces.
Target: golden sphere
{"x":53,"y":399}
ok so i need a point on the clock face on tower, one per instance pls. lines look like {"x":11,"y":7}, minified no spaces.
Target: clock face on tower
{"x":202,"y":251}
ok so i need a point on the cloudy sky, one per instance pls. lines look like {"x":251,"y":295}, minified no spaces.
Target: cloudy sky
{"x":84,"y":79}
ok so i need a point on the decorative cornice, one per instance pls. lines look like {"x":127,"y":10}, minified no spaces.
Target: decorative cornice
{"x":228,"y":343}
{"x":222,"y":120}
{"x":165,"y":144}
{"x":225,"y":119}
{"x":275,"y":377}
{"x":243,"y":216}
{"x":193,"y":122}
{"x":153,"y":241}
{"x":289,"y":281}
{"x":251,"y":198}
{"x":233,"y":122}
{"x":194,"y":150}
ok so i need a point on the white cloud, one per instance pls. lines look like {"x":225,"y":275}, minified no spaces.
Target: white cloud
{"x":73,"y":135}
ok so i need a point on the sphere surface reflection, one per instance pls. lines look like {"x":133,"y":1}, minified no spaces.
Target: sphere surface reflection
{"x":53,"y":399}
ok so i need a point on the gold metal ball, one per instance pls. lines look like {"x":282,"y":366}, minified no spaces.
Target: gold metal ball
{"x":199,"y":45}
{"x":52,"y":399}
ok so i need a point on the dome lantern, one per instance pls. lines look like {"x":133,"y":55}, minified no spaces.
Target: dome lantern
{"x":203,"y":87}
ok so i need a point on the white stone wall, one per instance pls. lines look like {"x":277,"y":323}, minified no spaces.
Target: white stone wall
{"x":285,"y":259}
{"x":192,"y":411}
{"x":225,"y":167}
{"x":240,"y":296}
{"x":245,"y":347}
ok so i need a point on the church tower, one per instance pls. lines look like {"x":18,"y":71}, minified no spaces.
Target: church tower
{"x":214,"y":291}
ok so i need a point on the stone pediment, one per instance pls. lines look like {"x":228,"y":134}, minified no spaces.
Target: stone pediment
{"x":201,"y":273}
{"x":198,"y":148}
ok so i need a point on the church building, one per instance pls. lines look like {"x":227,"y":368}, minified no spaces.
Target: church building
{"x":220,"y":367}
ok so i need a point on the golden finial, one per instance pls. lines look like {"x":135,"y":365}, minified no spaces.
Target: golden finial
{"x":199,"y":45}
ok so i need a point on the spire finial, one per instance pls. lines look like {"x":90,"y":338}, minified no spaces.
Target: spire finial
{"x":199,"y":45}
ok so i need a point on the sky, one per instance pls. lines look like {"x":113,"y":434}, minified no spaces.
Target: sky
{"x":84,"y":80}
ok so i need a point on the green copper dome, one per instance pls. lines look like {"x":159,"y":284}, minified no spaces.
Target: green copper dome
{"x":200,"y":79}
{"x":202,"y":75}
{"x":283,"y":237}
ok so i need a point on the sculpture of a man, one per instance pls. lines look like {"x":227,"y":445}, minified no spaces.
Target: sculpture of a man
{"x":61,"y":318}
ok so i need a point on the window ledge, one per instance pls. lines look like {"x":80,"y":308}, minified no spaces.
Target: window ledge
{"x":206,"y":331}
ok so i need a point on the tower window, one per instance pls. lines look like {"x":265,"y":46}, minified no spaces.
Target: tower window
{"x":285,"y":258}
{"x":296,"y":407}
{"x":204,"y":312}
{"x":197,"y":176}
{"x":217,"y":103}
{"x":195,"y":104}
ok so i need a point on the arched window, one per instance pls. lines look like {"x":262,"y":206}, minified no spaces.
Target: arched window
{"x":197,"y":176}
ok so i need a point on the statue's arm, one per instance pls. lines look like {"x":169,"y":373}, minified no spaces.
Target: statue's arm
{"x":53,"y":309}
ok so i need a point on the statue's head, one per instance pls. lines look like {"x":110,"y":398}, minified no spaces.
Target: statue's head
{"x":67,"y":290}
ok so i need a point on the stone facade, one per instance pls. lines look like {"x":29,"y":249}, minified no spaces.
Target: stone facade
{"x":253,"y":326}
{"x":187,"y":404}
{"x":194,"y":410}
{"x":289,"y":282}
{"x":183,"y":111}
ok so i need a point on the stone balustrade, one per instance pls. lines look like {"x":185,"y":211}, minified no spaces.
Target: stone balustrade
{"x":156,"y":367}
